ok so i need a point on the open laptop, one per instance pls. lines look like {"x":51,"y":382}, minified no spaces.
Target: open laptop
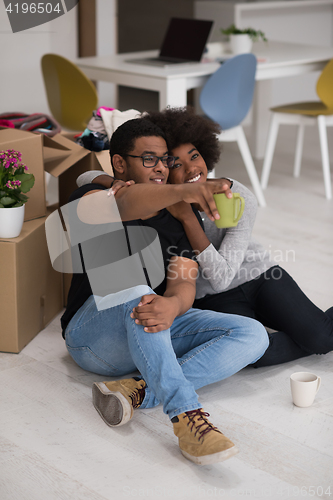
{"x":184,"y":42}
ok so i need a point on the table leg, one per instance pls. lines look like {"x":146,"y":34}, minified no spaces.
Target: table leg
{"x":261,"y":117}
{"x":174,"y":93}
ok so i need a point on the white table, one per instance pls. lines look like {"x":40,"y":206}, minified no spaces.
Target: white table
{"x":276,"y":60}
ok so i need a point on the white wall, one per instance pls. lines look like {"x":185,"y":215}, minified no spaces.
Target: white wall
{"x":297,"y":22}
{"x":106,"y":44}
{"x":21,"y":82}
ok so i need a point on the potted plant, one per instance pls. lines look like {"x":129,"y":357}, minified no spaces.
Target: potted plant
{"x":241,"y":39}
{"x":14,"y":182}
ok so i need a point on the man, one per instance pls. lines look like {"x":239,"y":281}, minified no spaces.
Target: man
{"x":175,"y":348}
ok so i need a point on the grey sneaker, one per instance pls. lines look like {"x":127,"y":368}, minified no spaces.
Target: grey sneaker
{"x":116,"y":400}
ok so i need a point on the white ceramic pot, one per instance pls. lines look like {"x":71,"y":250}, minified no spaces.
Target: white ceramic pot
{"x":240,"y":44}
{"x":11,"y":221}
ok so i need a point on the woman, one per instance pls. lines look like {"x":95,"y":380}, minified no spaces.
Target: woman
{"x":236,"y":274}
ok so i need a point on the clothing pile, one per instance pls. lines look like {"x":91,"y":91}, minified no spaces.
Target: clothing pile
{"x":96,"y":137}
{"x":35,"y":122}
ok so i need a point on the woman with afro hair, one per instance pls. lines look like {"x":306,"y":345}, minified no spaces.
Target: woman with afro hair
{"x":236,"y":274}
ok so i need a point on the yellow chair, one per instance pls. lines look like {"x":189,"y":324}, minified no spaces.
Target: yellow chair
{"x":71,"y":96}
{"x":302,"y":114}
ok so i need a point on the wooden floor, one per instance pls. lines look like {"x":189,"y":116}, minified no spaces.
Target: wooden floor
{"x":54,"y":445}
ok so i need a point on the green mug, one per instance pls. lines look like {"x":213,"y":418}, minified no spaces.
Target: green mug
{"x":230,"y":209}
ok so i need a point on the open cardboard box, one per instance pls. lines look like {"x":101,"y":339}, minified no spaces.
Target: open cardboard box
{"x":59,"y":155}
{"x":31,"y":292}
{"x":66,"y":160}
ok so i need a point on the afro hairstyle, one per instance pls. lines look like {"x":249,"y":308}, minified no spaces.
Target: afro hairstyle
{"x":184,"y":126}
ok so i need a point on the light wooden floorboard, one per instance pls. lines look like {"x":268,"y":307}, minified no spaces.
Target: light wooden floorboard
{"x":54,"y":445}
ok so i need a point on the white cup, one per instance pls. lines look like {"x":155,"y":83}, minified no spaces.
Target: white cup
{"x":304,"y":387}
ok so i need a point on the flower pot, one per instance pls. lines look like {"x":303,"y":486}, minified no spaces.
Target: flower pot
{"x":240,"y":44}
{"x":11,"y":221}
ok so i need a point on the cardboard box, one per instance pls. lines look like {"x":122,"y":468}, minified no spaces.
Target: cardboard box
{"x":66,"y":160}
{"x":59,"y":155}
{"x":31,"y":292}
{"x":30,"y":145}
{"x":63,"y":159}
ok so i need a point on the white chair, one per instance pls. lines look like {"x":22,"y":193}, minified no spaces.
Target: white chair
{"x":303,"y":114}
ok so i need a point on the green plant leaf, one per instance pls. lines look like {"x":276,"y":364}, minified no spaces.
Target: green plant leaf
{"x":1,"y":205}
{"x":27,"y":181}
{"x":255,"y":35}
{"x":18,"y":204}
{"x":6,"y":201}
{"x":22,"y":197}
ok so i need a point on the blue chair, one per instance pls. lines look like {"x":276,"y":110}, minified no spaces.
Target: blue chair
{"x":226,"y":99}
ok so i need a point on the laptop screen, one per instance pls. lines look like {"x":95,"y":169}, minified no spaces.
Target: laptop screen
{"x":186,"y":39}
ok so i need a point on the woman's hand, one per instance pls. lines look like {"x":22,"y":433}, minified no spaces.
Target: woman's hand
{"x":118,"y":184}
{"x":181,"y":211}
{"x":155,"y":313}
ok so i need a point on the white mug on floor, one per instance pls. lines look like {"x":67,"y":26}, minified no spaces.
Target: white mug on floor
{"x":304,"y":387}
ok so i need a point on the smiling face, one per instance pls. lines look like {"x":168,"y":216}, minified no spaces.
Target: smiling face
{"x":189,"y":165}
{"x":133,"y":169}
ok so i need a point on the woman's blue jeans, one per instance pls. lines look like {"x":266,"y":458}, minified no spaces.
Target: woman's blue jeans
{"x":200,"y":348}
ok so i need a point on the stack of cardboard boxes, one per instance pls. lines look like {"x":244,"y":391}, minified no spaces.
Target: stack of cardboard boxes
{"x":31,"y":291}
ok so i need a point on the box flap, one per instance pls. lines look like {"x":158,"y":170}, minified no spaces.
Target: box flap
{"x":61,"y":142}
{"x":50,"y":154}
{"x":103,"y":158}
{"x":61,"y":153}
{"x":13,"y":134}
{"x":56,"y":167}
{"x":48,"y":142}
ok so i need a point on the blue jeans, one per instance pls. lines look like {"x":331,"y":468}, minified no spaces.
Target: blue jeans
{"x":200,"y":348}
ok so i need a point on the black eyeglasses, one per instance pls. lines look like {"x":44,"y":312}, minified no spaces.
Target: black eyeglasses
{"x":151,"y":161}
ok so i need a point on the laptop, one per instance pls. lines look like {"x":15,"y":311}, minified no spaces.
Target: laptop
{"x":184,"y":41}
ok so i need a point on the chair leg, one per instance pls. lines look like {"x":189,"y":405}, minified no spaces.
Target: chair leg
{"x":250,"y":167}
{"x":324,"y":156}
{"x":271,"y":141}
{"x":299,"y":149}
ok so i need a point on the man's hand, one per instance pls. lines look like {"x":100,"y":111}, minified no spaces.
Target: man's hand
{"x":202,"y":194}
{"x":227,"y":184}
{"x":155,"y":313}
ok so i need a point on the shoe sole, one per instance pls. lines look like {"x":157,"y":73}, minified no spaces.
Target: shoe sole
{"x":112,"y":406}
{"x":212,"y":459}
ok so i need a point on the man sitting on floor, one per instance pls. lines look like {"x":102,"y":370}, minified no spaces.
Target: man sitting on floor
{"x":154,"y":330}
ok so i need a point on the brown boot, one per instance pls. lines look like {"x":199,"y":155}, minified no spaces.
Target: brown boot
{"x":116,"y":400}
{"x":199,"y":440}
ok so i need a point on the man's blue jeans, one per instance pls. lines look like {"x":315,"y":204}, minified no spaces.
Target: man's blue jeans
{"x":200,"y":348}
